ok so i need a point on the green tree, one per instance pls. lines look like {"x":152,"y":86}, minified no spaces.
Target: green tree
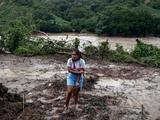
{"x":123,"y":21}
{"x":24,"y":2}
{"x":154,"y":4}
{"x":17,"y":34}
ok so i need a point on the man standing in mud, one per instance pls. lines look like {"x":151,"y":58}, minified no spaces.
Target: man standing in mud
{"x":75,"y":78}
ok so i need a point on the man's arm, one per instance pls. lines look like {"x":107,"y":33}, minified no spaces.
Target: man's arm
{"x":75,"y":71}
{"x":82,"y":70}
{"x":72,"y":70}
{"x":82,"y":65}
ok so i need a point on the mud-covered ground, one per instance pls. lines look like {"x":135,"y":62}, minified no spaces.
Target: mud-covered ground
{"x":117,"y":91}
{"x":10,"y":104}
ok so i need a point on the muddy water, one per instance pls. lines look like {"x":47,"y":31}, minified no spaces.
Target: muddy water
{"x":135,"y":85}
{"x":138,"y":93}
{"x":23,"y":74}
{"x":142,"y":88}
{"x":127,"y":43}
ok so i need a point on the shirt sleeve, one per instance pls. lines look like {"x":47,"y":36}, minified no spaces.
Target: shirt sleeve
{"x":69,"y":63}
{"x":83,"y":64}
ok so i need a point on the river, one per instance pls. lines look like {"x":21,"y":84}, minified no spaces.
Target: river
{"x":128,"y":43}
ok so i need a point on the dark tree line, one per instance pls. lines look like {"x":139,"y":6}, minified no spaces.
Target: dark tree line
{"x":110,"y":17}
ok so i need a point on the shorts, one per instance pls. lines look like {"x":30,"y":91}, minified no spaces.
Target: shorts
{"x":72,"y":79}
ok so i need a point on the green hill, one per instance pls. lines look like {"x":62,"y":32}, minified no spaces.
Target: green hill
{"x":110,"y":17}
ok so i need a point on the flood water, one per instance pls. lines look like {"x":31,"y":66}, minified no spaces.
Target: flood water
{"x":134,"y":85}
{"x":127,"y":42}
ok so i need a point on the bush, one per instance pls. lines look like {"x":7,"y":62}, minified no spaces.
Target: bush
{"x":147,"y":54}
{"x":76,"y":43}
{"x":153,"y":61}
{"x":119,"y":49}
{"x":91,"y":50}
{"x":39,"y":47}
{"x":103,"y":50}
{"x":145,"y":50}
{"x":29,"y":48}
{"x":120,"y":57}
{"x":16,"y":35}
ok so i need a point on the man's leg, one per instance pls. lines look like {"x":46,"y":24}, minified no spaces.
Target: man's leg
{"x":69,"y":94}
{"x":76,"y":94}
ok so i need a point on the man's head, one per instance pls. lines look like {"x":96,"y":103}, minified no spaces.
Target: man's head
{"x":76,"y":55}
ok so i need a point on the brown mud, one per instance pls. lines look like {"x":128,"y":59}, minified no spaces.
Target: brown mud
{"x":112,"y":91}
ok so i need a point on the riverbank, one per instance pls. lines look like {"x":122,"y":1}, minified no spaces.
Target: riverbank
{"x":128,"y":43}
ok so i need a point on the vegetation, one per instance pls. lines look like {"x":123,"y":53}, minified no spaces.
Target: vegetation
{"x":105,"y":53}
{"x":17,"y":34}
{"x":111,"y":17}
{"x":80,"y":16}
{"x":147,"y":54}
{"x":143,"y":54}
{"x":1,"y":45}
{"x":18,"y":40}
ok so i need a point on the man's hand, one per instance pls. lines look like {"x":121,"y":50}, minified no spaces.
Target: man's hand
{"x":81,"y":71}
{"x":76,"y":71}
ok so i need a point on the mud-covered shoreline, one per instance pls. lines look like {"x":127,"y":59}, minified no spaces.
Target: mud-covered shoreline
{"x":119,"y":91}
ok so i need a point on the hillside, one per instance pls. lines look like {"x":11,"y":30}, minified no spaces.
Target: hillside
{"x":111,"y":17}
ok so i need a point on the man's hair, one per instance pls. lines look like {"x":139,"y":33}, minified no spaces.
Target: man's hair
{"x":78,"y":52}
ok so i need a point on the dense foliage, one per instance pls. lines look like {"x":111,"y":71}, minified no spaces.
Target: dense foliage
{"x":111,"y":17}
{"x":20,"y":18}
{"x":18,"y":40}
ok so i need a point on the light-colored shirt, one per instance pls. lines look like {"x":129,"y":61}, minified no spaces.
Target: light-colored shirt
{"x":78,"y":64}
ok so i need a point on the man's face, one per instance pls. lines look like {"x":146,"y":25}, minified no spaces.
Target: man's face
{"x":74,"y":56}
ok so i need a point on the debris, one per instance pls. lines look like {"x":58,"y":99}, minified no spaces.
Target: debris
{"x":11,"y":104}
